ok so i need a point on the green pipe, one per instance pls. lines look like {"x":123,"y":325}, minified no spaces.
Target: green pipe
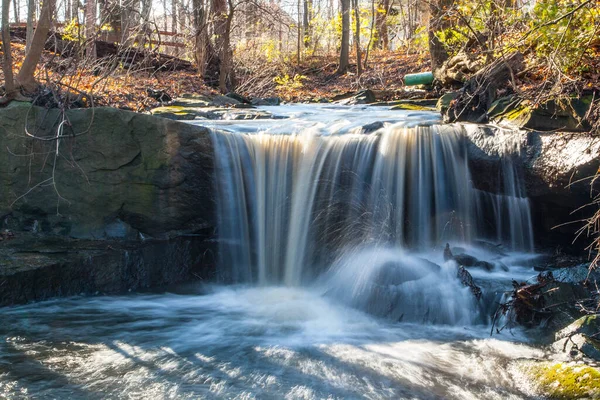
{"x":424,"y":78}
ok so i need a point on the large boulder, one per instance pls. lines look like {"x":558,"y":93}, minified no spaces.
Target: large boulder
{"x":565,"y":115}
{"x":555,"y":169}
{"x":113,"y":174}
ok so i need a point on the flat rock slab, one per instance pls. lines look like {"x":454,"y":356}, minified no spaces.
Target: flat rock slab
{"x":189,"y":109}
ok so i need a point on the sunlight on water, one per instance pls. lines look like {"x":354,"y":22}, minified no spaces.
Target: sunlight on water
{"x":335,"y":239}
{"x":240,"y":342}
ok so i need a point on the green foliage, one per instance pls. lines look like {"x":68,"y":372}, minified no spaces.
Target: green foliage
{"x":559,"y":32}
{"x":566,"y":41}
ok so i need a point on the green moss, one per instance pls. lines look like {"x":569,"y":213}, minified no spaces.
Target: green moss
{"x":566,"y":381}
{"x":413,"y":107}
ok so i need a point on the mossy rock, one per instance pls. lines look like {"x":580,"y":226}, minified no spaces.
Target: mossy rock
{"x":416,"y":105}
{"x":118,"y":173}
{"x":443,"y":102}
{"x":554,"y":115}
{"x":565,"y":380}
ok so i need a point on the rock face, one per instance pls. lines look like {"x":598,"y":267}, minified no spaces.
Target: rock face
{"x":581,"y":338}
{"x":130,"y":174}
{"x":556,"y":169}
{"x":34,"y":267}
{"x":133,"y":189}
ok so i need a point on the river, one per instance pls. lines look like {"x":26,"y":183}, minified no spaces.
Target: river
{"x":332,"y":278}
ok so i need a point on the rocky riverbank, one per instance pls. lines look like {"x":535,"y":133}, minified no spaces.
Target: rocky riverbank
{"x":123,"y":202}
{"x":127,"y":177}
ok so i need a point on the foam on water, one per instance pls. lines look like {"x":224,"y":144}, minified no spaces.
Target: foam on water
{"x":245,"y":342}
{"x":337,"y":238}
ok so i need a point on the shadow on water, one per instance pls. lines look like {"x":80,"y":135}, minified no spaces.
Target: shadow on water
{"x":228,"y":343}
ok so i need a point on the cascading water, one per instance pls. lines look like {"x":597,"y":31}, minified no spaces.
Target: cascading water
{"x":336,"y":239}
{"x":293,"y":205}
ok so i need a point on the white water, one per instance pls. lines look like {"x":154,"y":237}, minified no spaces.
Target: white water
{"x":294,"y":195}
{"x":337,"y":237}
{"x":246,"y":343}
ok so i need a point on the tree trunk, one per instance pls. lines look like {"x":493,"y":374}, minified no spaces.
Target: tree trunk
{"x":381,"y":38}
{"x":75,"y":10}
{"x":26,"y":78}
{"x":202,"y":41}
{"x":165,"y":23}
{"x":16,"y":10}
{"x":222,"y":30}
{"x":90,"y":30}
{"x":345,"y":45}
{"x":307,"y":19}
{"x":437,"y":23}
{"x":174,"y":16}
{"x":300,"y":36}
{"x":9,"y":82}
{"x":30,"y":17}
{"x":357,"y":38}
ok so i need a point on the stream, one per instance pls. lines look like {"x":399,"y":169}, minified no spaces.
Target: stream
{"x":332,"y":280}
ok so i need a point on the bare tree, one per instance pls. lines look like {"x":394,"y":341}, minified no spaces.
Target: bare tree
{"x":307,"y":19}
{"x":203,"y":48}
{"x":382,"y":37}
{"x":26,"y":77}
{"x":16,"y":10}
{"x":437,"y":22}
{"x":90,"y":29}
{"x":357,"y":38}
{"x":345,"y":43}
{"x":9,"y":84}
{"x":30,"y":17}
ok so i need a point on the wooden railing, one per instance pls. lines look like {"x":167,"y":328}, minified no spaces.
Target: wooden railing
{"x":110,"y":36}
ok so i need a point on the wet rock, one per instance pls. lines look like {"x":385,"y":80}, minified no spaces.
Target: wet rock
{"x":458,"y":250}
{"x":577,"y":273}
{"x":189,"y":100}
{"x":495,"y":248}
{"x":239,"y":98}
{"x":362,"y":97}
{"x":396,"y":273}
{"x":372,"y":127}
{"x":448,"y":253}
{"x":34,"y":267}
{"x":554,"y":168}
{"x":501,"y":265}
{"x":484,"y":265}
{"x":581,"y":338}
{"x":224,"y":101}
{"x":247,"y":114}
{"x":466,"y":260}
{"x":566,"y":115}
{"x":267,"y":101}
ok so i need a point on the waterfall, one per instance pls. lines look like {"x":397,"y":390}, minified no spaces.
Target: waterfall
{"x":290,"y":204}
